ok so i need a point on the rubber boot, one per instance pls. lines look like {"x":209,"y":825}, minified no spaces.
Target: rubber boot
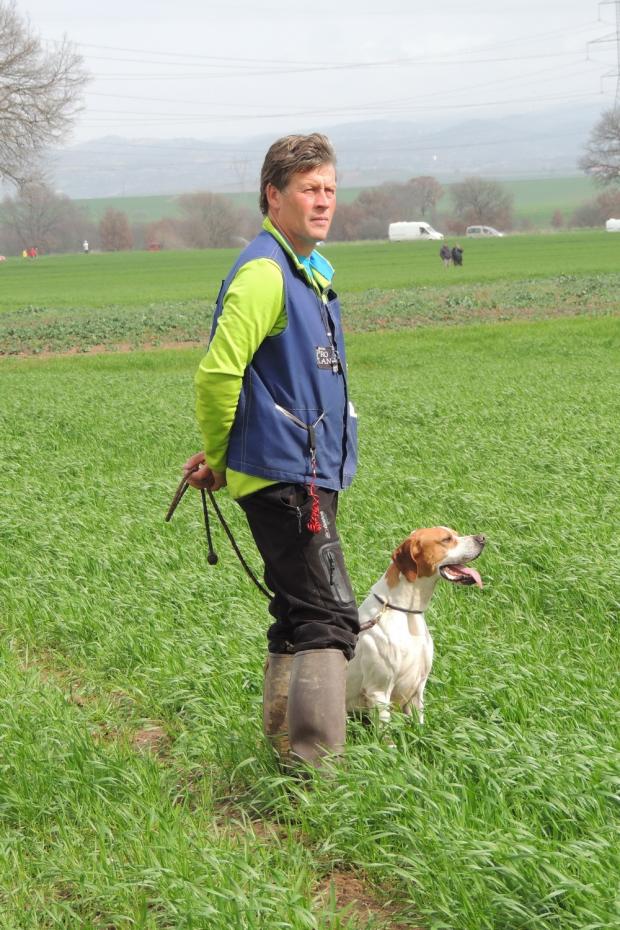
{"x":316,"y":705}
{"x":275,"y":699}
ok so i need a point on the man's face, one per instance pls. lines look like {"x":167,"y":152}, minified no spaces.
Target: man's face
{"x":304,"y":210}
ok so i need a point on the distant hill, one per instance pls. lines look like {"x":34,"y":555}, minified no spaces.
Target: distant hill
{"x":544,"y":144}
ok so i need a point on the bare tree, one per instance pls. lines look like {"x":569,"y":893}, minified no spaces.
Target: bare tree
{"x":347,"y":223}
{"x":425,"y":192}
{"x":166,"y":233}
{"x":588,"y":214}
{"x":210,"y":221}
{"x":380,"y":206}
{"x":609,"y":202}
{"x":38,"y":217}
{"x":39,"y":93}
{"x":596,"y":212}
{"x":557,"y":219}
{"x":370,"y":214}
{"x":114,"y":231}
{"x":477,"y":200}
{"x":602,"y":158}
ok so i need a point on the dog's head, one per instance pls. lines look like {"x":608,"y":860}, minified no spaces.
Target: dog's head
{"x":437,"y":550}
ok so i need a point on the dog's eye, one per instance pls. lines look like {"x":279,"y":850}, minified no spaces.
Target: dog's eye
{"x":447,"y":540}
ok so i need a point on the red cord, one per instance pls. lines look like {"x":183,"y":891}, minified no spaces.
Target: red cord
{"x":314,"y":520}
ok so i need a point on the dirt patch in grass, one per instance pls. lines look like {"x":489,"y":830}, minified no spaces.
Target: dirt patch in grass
{"x":235,"y":821}
{"x":110,"y":712}
{"x":103,"y":348}
{"x":353,"y":900}
{"x":151,"y":738}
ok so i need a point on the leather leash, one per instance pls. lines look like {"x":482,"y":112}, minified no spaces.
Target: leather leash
{"x":212,"y":558}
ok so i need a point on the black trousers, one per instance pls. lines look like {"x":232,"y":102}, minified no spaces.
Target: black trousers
{"x":313,"y":603}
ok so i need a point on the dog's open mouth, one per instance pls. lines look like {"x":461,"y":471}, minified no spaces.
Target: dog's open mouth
{"x":460,"y":574}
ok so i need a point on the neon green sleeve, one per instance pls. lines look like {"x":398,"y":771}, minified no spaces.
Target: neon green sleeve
{"x":253,"y":309}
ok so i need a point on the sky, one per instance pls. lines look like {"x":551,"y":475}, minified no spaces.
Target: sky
{"x":234,"y":69}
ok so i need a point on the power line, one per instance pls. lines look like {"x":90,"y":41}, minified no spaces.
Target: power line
{"x":236,"y":59}
{"x":358,"y":66}
{"x":383,"y":104}
{"x":323,"y":112}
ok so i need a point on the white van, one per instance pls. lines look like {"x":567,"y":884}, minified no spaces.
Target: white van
{"x":402,"y":232}
{"x":482,"y":231}
{"x":612,"y":225}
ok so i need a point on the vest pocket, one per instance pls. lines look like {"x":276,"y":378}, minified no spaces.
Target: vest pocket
{"x":304,"y":417}
{"x":308,"y":424}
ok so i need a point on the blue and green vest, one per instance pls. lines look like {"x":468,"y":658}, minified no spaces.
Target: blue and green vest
{"x":294,"y":399}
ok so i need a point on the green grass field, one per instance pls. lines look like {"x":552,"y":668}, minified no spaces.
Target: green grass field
{"x":135,"y":788}
{"x":109,"y":300}
{"x":537,"y":200}
{"x":140,"y":278}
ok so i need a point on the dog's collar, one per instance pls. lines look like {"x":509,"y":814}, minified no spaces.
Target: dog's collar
{"x":385,"y":605}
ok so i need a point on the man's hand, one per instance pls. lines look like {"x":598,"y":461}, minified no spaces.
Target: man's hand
{"x":199,"y":474}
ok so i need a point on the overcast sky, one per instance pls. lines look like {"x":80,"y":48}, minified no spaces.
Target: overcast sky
{"x":237,"y":68}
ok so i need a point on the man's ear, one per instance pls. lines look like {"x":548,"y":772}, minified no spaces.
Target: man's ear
{"x":273,"y":196}
{"x":404,"y":560}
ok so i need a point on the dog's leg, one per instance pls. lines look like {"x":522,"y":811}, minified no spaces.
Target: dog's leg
{"x":417,"y":701}
{"x":380,"y":700}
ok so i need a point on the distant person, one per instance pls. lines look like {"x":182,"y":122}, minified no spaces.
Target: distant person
{"x":32,"y":252}
{"x":445,"y":255}
{"x":457,"y":255}
{"x":85,"y":246}
{"x":24,"y":253}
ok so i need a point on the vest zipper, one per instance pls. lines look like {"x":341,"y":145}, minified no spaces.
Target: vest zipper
{"x":337,"y":368}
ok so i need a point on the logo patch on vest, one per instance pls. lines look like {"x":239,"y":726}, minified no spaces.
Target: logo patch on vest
{"x":327,"y":358}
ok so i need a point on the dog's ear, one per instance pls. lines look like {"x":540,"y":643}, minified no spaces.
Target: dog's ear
{"x":403,"y":559}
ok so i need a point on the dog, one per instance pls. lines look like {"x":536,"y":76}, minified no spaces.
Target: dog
{"x":394,"y":652}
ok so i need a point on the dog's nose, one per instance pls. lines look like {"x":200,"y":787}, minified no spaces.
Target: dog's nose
{"x":480,"y":539}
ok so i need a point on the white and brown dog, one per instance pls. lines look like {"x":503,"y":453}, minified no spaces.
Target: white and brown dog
{"x":394,"y":651}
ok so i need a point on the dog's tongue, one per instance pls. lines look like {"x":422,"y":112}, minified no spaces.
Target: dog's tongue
{"x":469,"y":573}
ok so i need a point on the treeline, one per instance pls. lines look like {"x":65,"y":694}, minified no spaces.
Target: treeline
{"x":473,"y":200}
{"x":38,"y":217}
{"x":594,"y":212}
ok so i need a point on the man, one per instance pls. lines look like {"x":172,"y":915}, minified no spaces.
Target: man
{"x":280,"y":431}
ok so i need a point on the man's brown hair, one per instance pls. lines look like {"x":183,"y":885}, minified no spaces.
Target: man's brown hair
{"x":289,"y":155}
